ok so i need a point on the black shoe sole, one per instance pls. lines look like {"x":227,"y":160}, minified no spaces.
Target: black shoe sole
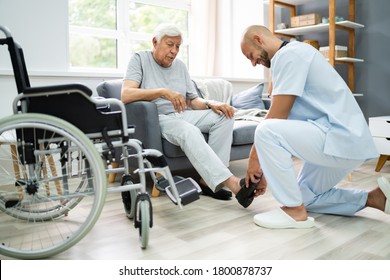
{"x":246,"y":195}
{"x":221,"y":194}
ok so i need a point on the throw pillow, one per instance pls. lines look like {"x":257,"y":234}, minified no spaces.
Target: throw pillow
{"x":249,"y":99}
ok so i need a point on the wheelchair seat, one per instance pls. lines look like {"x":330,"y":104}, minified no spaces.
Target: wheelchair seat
{"x":75,"y":107}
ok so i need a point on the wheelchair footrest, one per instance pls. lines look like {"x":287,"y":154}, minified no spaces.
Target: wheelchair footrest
{"x":188,"y":191}
{"x":162,"y":183}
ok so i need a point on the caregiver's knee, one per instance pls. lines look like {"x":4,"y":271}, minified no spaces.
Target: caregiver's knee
{"x":264,"y":129}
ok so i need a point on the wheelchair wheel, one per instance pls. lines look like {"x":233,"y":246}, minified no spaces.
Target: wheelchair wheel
{"x":129,"y":197}
{"x":52,"y":186}
{"x":144,"y":218}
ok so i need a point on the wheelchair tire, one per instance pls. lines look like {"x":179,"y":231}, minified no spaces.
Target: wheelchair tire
{"x":129,"y":197}
{"x":43,"y":213}
{"x":144,"y":218}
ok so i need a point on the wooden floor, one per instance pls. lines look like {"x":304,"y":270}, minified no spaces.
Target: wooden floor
{"x":209,"y":229}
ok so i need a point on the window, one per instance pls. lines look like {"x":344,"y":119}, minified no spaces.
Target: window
{"x":104,"y":33}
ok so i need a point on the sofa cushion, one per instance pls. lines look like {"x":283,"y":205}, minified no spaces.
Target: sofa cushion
{"x":171,"y":150}
{"x":244,"y":132}
{"x":174,"y":151}
{"x":249,"y":99}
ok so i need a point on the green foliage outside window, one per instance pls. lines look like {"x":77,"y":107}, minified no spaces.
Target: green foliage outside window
{"x":91,"y":47}
{"x":144,"y":18}
{"x":93,"y":13}
{"x":88,"y":51}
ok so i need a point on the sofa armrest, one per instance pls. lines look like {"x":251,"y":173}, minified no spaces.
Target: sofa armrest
{"x":110,"y":89}
{"x":144,"y":116}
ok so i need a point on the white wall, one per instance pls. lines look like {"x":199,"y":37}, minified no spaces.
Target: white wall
{"x":41,"y":27}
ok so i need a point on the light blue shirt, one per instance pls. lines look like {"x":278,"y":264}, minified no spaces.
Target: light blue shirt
{"x":323,"y":98}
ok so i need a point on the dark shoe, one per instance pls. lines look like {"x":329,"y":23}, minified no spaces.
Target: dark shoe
{"x":246,"y":195}
{"x":221,"y":194}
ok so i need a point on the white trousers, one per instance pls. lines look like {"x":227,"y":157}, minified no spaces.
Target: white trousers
{"x":276,"y":141}
{"x":210,"y":159}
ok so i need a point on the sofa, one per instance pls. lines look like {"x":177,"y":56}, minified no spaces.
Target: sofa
{"x":144,"y":116}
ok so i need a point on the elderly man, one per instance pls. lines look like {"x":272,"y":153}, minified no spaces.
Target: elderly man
{"x":314,"y":117}
{"x":158,"y":76}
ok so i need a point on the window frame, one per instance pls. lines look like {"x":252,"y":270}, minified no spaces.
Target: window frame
{"x":122,"y":33}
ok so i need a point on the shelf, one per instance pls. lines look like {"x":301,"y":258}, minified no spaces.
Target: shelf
{"x":322,"y":27}
{"x":349,"y":59}
{"x":348,"y":26}
{"x":294,"y":2}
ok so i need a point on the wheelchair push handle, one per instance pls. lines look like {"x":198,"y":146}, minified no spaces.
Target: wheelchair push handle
{"x":6,"y":31}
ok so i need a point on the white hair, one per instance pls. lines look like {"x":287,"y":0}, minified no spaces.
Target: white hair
{"x":166,"y":29}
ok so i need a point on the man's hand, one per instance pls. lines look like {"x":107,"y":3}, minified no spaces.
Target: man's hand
{"x":262,"y":187}
{"x":254,"y":172}
{"x":176,"y":99}
{"x":222,"y":108}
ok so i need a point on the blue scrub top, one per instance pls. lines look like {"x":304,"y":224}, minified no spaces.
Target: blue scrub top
{"x":323,"y":98}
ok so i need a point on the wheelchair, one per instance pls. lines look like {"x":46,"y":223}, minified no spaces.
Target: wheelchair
{"x":55,"y":154}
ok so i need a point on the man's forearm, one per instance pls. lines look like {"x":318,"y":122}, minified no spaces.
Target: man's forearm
{"x":137,"y":94}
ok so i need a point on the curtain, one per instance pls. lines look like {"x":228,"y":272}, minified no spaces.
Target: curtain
{"x":203,"y":29}
{"x":215,"y":31}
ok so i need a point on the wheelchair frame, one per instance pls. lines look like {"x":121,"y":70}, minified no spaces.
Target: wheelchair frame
{"x":44,"y":213}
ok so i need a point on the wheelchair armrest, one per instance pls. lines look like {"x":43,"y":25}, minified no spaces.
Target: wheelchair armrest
{"x":144,"y":116}
{"x":65,"y":87}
